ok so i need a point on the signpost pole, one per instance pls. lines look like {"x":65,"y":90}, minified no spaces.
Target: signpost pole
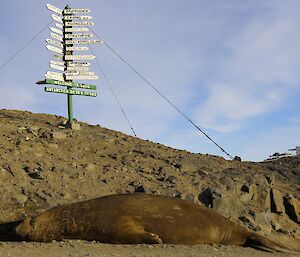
{"x":67,"y":64}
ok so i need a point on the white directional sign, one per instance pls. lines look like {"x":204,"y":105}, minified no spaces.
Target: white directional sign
{"x":54,"y":49}
{"x":55,"y":30}
{"x":57,"y":67}
{"x":78,"y":35}
{"x":77,"y":68}
{"x":56,"y":36}
{"x":83,"y":42}
{"x":79,"y":29}
{"x":53,"y":73}
{"x":71,"y":17}
{"x":86,"y":73}
{"x":79,"y":64}
{"x":57,"y":18}
{"x":71,"y":11}
{"x":80,"y":57}
{"x":58,"y":57}
{"x":72,"y":72}
{"x":79,"y":23}
{"x":54,"y":9}
{"x":82,"y":77}
{"x":57,"y":63}
{"x":48,"y":76}
{"x":77,"y":48}
{"x":53,"y":42}
{"x":59,"y":25}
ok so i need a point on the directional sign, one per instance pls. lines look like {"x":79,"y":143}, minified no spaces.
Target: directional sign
{"x":57,"y":63}
{"x":70,"y":91}
{"x":80,"y":23}
{"x":77,"y":48}
{"x":75,"y":29}
{"x":58,"y":31}
{"x":86,"y":73}
{"x":71,"y":17}
{"x":78,"y":35}
{"x":72,"y":72}
{"x":52,"y":73}
{"x":68,"y":84}
{"x":59,"y":25}
{"x":48,"y":76}
{"x":77,"y":42}
{"x":79,"y":64}
{"x":54,"y":49}
{"x":78,"y":68}
{"x":78,"y":77}
{"x":57,"y":67}
{"x":53,"y":42}
{"x":71,"y":11}
{"x":57,"y":18}
{"x":56,"y":36}
{"x":54,"y":9}
{"x":80,"y":57}
{"x":58,"y":57}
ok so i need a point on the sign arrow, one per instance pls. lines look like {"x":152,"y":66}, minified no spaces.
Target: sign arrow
{"x":74,"y":29}
{"x":48,"y":76}
{"x":57,"y":63}
{"x":70,"y":91}
{"x":53,"y":42}
{"x":78,"y":68}
{"x":80,"y":23}
{"x":78,"y":35}
{"x":55,"y":36}
{"x":71,"y":17}
{"x":80,"y":57}
{"x":54,"y":49}
{"x":57,"y":18}
{"x":58,"y":57}
{"x":58,"y":31}
{"x":68,"y":84}
{"x":76,"y":77}
{"x":57,"y":67}
{"x":79,"y":64}
{"x":71,"y":11}
{"x":77,"y":48}
{"x":83,"y":42}
{"x":54,"y":9}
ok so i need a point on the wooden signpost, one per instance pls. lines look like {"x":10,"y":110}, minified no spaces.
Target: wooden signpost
{"x":71,"y":29}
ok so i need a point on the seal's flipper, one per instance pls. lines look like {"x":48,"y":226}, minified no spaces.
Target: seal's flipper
{"x":129,"y":230}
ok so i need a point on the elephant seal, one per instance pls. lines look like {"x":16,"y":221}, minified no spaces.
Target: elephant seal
{"x":140,"y":218}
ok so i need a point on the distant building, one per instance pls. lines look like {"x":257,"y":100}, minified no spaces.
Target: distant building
{"x":297,"y":149}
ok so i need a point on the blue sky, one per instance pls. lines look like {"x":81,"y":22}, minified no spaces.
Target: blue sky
{"x":231,"y":66}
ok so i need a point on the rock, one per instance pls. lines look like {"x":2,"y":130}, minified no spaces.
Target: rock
{"x":277,"y":201}
{"x":292,"y":206}
{"x":19,"y":199}
{"x":250,"y":193}
{"x":75,"y":126}
{"x":89,"y":167}
{"x":53,"y":146}
{"x":189,"y":197}
{"x":17,"y":171}
{"x":58,"y":135}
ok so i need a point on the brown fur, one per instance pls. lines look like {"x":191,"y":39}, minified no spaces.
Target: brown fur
{"x":139,"y":218}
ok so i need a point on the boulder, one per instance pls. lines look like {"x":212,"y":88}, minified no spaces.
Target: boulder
{"x":277,"y":204}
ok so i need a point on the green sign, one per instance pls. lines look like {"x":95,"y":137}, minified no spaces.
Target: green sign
{"x":68,"y":84}
{"x":69,"y":91}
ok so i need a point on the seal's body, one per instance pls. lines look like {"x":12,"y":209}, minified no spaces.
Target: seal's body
{"x":139,"y":218}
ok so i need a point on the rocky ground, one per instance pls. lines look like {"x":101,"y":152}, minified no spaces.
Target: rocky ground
{"x":43,"y":164}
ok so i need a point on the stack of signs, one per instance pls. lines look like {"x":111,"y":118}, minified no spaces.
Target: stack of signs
{"x":70,"y":34}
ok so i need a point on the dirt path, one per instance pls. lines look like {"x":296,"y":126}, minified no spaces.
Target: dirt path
{"x":90,"y":249}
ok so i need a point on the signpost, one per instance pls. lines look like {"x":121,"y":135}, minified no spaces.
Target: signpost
{"x":71,"y":67}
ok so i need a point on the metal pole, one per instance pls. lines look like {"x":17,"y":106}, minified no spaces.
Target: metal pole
{"x":67,"y":63}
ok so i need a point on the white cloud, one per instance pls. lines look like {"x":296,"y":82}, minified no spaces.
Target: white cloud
{"x":257,"y":75}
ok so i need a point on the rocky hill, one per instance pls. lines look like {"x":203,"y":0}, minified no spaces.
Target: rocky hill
{"x":43,"y":164}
